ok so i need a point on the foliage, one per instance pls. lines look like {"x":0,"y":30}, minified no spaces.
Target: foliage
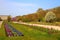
{"x":39,"y":15}
{"x":0,"y":19}
{"x":58,"y":19}
{"x":50,"y":17}
{"x":9,"y":18}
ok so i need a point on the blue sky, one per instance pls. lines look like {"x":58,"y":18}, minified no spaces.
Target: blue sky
{"x":23,"y":7}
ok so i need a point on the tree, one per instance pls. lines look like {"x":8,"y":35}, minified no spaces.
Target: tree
{"x":50,"y":17}
{"x":40,"y":9}
{"x":0,"y":19}
{"x":9,"y":19}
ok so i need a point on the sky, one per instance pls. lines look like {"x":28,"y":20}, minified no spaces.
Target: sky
{"x":24,"y":7}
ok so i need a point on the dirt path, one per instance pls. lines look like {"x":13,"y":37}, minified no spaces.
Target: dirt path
{"x":44,"y":26}
{"x":1,"y":23}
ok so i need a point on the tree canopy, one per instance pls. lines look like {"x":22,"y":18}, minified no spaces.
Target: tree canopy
{"x":50,"y":17}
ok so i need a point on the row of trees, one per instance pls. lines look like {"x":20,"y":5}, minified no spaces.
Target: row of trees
{"x":49,"y":17}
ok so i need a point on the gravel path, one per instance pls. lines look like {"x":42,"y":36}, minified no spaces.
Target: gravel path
{"x":1,"y":23}
{"x":44,"y":26}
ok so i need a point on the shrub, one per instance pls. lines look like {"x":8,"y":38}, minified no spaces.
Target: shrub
{"x":50,"y":17}
{"x":0,"y":19}
{"x":9,"y":19}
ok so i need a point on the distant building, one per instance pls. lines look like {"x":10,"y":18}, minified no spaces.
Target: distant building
{"x":4,"y":17}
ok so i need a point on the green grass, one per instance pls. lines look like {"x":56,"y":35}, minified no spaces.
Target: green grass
{"x":35,"y":33}
{"x":45,"y":23}
{"x":2,"y":32}
{"x":30,"y":33}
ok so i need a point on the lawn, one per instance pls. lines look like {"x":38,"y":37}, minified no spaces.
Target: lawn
{"x":2,"y":32}
{"x":30,"y":33}
{"x":35,"y":33}
{"x":45,"y":23}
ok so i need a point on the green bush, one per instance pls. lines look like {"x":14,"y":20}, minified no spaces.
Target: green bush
{"x":9,"y":18}
{"x":50,"y":17}
{"x":0,"y":19}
